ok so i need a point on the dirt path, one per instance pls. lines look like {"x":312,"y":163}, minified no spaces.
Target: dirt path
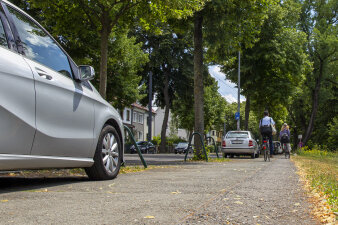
{"x":243,"y":191}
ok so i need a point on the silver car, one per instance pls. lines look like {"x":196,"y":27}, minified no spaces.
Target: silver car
{"x":240,"y":143}
{"x":51,"y":116}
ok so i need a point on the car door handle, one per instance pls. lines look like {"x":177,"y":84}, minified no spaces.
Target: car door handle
{"x":46,"y":76}
{"x":43,"y":74}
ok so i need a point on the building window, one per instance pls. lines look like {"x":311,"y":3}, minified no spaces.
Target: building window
{"x":140,"y":136}
{"x":213,"y":133}
{"x":140,"y":118}
{"x":128,"y":115}
{"x":135,"y":117}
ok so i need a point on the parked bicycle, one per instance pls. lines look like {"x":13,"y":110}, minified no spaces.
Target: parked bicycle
{"x":266,"y":148}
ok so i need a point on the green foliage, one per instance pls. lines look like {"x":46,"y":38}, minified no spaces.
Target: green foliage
{"x":333,"y":134}
{"x":156,"y":140}
{"x":200,"y":157}
{"x":171,"y":140}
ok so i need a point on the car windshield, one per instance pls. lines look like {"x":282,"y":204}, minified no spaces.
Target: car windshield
{"x":238,"y":135}
{"x":182,"y":145}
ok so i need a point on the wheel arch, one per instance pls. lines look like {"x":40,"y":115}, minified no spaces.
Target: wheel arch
{"x":114,"y":124}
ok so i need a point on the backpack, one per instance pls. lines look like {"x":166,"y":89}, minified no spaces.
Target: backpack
{"x":265,"y":130}
{"x":285,"y":138}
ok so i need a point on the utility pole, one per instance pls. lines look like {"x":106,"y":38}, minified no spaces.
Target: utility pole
{"x":239,"y":89}
{"x":224,"y":128}
{"x":150,"y":108}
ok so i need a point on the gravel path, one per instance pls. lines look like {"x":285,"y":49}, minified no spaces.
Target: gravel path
{"x":272,"y":196}
{"x":243,"y":191}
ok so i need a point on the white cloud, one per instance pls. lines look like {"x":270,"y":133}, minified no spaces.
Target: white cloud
{"x":226,"y":88}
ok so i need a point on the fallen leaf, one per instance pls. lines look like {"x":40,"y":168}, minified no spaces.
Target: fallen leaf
{"x":238,"y":202}
{"x":224,"y":199}
{"x":4,"y":200}
{"x":297,"y":204}
{"x":237,"y":198}
{"x":149,"y":217}
{"x":111,"y":185}
{"x":176,"y":192}
{"x":255,"y":216}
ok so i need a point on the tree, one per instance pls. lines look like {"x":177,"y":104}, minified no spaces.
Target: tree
{"x":319,"y":22}
{"x":274,"y":66}
{"x":75,"y":20}
{"x":226,"y":24}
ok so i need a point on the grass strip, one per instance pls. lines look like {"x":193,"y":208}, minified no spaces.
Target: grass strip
{"x":319,"y":170}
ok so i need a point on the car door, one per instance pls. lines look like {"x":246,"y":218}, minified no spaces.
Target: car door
{"x":17,"y":97}
{"x":64,"y":109}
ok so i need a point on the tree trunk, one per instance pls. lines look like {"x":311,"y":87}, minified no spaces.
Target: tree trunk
{"x":247,"y":112}
{"x":166,"y":111}
{"x":314,"y":104}
{"x":105,"y":31}
{"x":198,"y":80}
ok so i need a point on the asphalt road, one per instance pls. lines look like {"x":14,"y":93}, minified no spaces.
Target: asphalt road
{"x":242,"y":191}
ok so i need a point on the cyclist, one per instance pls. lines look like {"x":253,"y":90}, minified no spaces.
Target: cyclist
{"x":284,"y":136}
{"x":265,"y":126}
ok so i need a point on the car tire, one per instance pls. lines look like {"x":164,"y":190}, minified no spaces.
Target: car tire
{"x":232,"y":155}
{"x":108,"y":155}
{"x":253,"y":155}
{"x":257,"y":155}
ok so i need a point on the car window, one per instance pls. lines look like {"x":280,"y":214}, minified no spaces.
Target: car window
{"x":38,"y":45}
{"x":142,"y":143}
{"x":3,"y":39}
{"x":238,"y":135}
{"x":182,"y":145}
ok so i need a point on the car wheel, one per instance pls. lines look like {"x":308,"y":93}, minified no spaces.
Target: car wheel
{"x":257,"y":155}
{"x":232,"y":155}
{"x":253,"y":155}
{"x":108,"y":155}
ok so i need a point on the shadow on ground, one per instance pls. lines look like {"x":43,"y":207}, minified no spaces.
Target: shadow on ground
{"x":14,"y":184}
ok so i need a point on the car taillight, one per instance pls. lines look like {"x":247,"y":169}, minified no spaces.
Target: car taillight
{"x":265,"y":141}
{"x":223,"y":144}
{"x":250,"y":143}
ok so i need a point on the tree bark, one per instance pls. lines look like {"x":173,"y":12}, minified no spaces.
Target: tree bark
{"x":166,"y":111}
{"x":247,"y":112}
{"x":105,"y":31}
{"x":314,"y":104}
{"x":198,"y":80}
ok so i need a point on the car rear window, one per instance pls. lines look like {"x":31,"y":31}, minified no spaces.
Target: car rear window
{"x":182,"y":145}
{"x":238,"y":135}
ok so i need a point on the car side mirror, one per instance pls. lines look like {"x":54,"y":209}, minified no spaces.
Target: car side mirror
{"x":86,"y":73}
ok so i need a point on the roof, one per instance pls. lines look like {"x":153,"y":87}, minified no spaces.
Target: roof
{"x":136,"y":105}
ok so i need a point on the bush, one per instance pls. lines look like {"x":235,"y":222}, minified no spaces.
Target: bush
{"x":202,"y":156}
{"x":156,"y":140}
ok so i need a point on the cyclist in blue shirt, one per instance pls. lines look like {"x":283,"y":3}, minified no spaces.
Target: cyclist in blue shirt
{"x":266,"y":129}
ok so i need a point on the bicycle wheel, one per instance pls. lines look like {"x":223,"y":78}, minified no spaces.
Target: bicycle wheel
{"x":265,"y":155}
{"x":269,"y":155}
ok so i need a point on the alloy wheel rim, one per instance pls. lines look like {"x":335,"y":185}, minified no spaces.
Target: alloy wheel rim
{"x":110,"y":154}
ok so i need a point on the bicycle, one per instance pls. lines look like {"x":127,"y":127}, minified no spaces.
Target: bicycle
{"x":286,"y":150}
{"x":266,"y":148}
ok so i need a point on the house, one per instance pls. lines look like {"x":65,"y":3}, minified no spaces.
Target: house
{"x":216,"y":135}
{"x":136,"y":117}
{"x":182,"y":133}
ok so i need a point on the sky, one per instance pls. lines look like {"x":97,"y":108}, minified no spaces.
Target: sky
{"x":227,"y":89}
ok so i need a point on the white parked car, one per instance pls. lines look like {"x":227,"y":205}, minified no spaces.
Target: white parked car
{"x":277,"y":147}
{"x":240,"y":143}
